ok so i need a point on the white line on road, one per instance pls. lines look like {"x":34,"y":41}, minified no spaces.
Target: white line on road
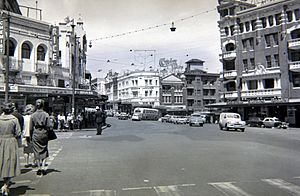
{"x":283,"y":185}
{"x":229,"y":189}
{"x":167,"y":190}
{"x":98,"y":192}
{"x":137,"y":188}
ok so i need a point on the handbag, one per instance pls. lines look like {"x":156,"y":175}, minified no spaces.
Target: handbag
{"x":51,"y":135}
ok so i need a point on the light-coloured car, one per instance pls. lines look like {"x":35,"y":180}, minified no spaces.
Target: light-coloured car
{"x":274,"y":122}
{"x":123,"y":116}
{"x":136,"y":117}
{"x":181,"y":120}
{"x":196,"y":119}
{"x":229,"y":120}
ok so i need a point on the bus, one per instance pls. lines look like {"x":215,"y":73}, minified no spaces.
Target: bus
{"x":145,"y":114}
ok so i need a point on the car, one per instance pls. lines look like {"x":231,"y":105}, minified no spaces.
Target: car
{"x":271,"y":122}
{"x":123,"y":116}
{"x":254,"y":122}
{"x":136,"y":117}
{"x":230,"y":120}
{"x":181,"y":120}
{"x":165,"y":118}
{"x":196,"y":119}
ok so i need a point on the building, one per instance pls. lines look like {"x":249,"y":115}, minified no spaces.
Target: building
{"x":135,"y":88}
{"x":173,"y":94}
{"x":35,"y":68}
{"x":201,"y":86}
{"x":261,"y":58}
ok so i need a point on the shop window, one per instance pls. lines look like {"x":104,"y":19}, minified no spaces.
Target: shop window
{"x":26,"y":51}
{"x":41,"y":53}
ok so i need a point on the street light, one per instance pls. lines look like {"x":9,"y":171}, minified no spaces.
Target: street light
{"x":73,"y":51}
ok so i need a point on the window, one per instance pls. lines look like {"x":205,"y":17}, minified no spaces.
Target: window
{"x":268,"y":83}
{"x":252,"y":63}
{"x":296,"y":79}
{"x":12,"y":48}
{"x":244,"y":43}
{"x":146,"y":93}
{"x":264,"y":22}
{"x":253,"y":24}
{"x":252,"y":84}
{"x":146,"y":82}
{"x":276,"y":60}
{"x":268,"y":61}
{"x":251,"y":40}
{"x":241,"y":27}
{"x":230,"y":47}
{"x":297,"y":14}
{"x":232,"y":30}
{"x":156,"y":82}
{"x":268,"y":40}
{"x":277,"y":19}
{"x":271,"y":20}
{"x":245,"y":63}
{"x":231,"y":11}
{"x":289,"y":16}
{"x":41,"y":53}
{"x":150,"y":82}
{"x":247,"y":24}
{"x":26,"y":50}
{"x":61,"y":83}
{"x":226,"y":31}
{"x":275,"y":38}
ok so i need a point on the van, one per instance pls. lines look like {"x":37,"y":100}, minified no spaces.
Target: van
{"x":229,"y":120}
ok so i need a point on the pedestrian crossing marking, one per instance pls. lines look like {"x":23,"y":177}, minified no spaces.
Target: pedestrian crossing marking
{"x":167,"y":190}
{"x":98,"y":192}
{"x":229,"y":189}
{"x":292,"y":188}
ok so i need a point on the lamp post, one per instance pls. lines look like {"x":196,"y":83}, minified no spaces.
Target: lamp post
{"x":73,"y":51}
{"x":7,"y":58}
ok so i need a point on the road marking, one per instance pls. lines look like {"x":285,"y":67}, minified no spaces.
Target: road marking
{"x":23,"y":182}
{"x":137,"y":188}
{"x":167,"y":190}
{"x":229,"y":189}
{"x":98,"y":192}
{"x":283,"y":185}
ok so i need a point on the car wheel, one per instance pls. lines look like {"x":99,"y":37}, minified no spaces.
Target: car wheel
{"x":220,"y":126}
{"x":190,"y":124}
{"x":201,"y":125}
{"x":226,"y":128}
{"x":242,"y":130}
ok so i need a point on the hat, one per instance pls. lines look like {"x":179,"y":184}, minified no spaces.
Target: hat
{"x":97,"y":108}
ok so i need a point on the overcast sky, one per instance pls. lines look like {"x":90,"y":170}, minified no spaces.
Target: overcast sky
{"x":195,"y":37}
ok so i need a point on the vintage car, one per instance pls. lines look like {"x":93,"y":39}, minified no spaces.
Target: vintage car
{"x":254,"y":122}
{"x":231,"y":121}
{"x":123,"y":116}
{"x":273,"y":122}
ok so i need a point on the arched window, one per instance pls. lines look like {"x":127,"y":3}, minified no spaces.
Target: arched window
{"x":230,"y":47}
{"x":12,"y":48}
{"x":41,"y":53}
{"x":26,"y":50}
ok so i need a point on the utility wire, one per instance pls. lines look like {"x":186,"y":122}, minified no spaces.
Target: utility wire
{"x":151,"y":27}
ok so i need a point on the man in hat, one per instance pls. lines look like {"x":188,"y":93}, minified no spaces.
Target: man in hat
{"x":100,"y":119}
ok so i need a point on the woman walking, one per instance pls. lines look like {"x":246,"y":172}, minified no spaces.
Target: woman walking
{"x":9,"y":155}
{"x":28,"y":149}
{"x":40,"y":123}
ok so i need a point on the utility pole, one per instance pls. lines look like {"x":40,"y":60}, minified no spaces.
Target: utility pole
{"x":7,"y":58}
{"x":73,"y":39}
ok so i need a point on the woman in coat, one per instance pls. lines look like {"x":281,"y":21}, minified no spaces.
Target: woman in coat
{"x":40,"y":123}
{"x":9,"y":155}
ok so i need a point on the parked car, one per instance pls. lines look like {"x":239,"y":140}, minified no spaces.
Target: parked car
{"x":254,"y":122}
{"x":136,"y":117}
{"x":230,"y":120}
{"x":271,"y":122}
{"x":165,"y":118}
{"x":123,"y":116}
{"x":196,"y":119}
{"x":181,"y":120}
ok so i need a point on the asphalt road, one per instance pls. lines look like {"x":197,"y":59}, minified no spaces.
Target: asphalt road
{"x":151,"y":158}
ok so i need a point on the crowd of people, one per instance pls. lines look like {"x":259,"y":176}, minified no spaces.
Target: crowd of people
{"x":31,"y":131}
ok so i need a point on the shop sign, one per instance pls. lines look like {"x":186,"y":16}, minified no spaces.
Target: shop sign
{"x":33,"y":90}
{"x":1,"y":35}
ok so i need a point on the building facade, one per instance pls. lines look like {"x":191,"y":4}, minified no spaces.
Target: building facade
{"x":34,"y":64}
{"x":201,"y":86}
{"x":261,"y":58}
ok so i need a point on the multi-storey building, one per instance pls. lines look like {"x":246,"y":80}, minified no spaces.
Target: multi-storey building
{"x":137,"y":88}
{"x":173,"y":93}
{"x":201,"y":86}
{"x":261,"y":58}
{"x":35,"y":69}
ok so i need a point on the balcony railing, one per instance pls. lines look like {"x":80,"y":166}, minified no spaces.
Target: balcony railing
{"x":295,"y":66}
{"x":230,"y":74}
{"x":14,"y":64}
{"x":42,"y":68}
{"x":228,"y":55}
{"x":294,"y":44}
{"x":261,"y":93}
{"x":231,"y":95}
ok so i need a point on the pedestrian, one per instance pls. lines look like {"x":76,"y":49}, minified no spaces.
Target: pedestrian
{"x":100,"y":119}
{"x":80,"y":120}
{"x":61,"y":121}
{"x":70,"y":120}
{"x":52,"y":121}
{"x":40,"y":123}
{"x":27,"y":132}
{"x":20,"y":120}
{"x":9,"y":156}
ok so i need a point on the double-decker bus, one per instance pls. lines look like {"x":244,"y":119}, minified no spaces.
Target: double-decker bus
{"x":145,"y":114}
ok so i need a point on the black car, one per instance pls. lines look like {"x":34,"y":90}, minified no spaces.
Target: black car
{"x":254,"y":122}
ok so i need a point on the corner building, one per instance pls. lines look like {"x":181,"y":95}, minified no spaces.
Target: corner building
{"x":261,"y":58}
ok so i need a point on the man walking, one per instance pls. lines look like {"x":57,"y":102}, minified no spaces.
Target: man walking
{"x":100,"y":120}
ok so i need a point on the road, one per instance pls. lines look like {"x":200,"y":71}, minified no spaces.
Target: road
{"x":151,"y":158}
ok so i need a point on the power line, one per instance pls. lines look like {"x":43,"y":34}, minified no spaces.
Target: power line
{"x":151,"y":27}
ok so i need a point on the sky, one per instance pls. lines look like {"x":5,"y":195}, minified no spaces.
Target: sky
{"x":196,"y":36}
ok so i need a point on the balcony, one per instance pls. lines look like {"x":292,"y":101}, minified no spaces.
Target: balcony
{"x":228,"y":56}
{"x":42,"y":68}
{"x":14,"y":64}
{"x":295,"y":66}
{"x":294,"y":44}
{"x":261,"y":93}
{"x":231,"y":95}
{"x":232,"y":74}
